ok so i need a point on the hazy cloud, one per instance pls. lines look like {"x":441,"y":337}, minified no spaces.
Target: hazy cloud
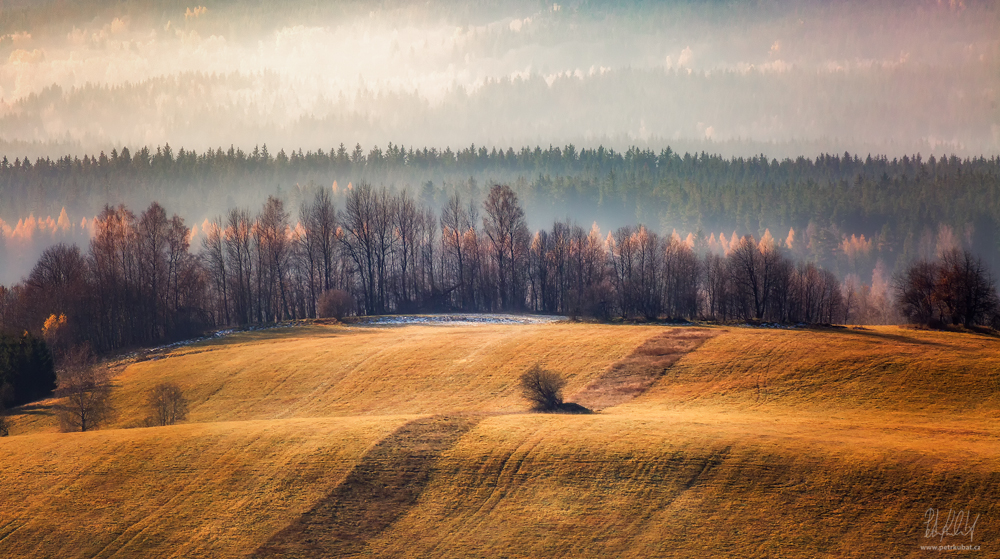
{"x":883,"y":78}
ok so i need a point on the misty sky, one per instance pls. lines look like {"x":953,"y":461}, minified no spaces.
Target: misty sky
{"x":782,"y":78}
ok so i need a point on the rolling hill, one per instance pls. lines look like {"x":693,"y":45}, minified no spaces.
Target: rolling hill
{"x":412,"y":441}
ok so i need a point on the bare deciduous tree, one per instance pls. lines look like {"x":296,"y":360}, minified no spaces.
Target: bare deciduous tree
{"x":359,"y":240}
{"x":509,"y":238}
{"x":543,"y":388}
{"x":238,"y":240}
{"x":323,"y":226}
{"x":454,"y":224}
{"x":213,"y":256}
{"x":915,"y":293}
{"x":113,"y":275}
{"x":166,"y":404}
{"x":85,"y":388}
{"x":273,"y":261}
{"x":58,"y":286}
{"x":958,"y":289}
{"x":317,"y":244}
{"x":966,"y":288}
{"x":151,"y":245}
{"x":407,"y":228}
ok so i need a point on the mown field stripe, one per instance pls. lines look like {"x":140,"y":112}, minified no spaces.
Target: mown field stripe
{"x":627,"y":378}
{"x":380,"y":489}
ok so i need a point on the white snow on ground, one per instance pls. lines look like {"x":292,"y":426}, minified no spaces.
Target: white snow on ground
{"x":458,"y":319}
{"x":777,"y":325}
{"x":153,"y":352}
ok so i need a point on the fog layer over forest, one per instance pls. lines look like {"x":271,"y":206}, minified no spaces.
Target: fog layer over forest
{"x":781,"y":78}
{"x":407,"y":96}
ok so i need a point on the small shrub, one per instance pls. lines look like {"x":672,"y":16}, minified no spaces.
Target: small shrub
{"x":335,"y":303}
{"x":543,"y":388}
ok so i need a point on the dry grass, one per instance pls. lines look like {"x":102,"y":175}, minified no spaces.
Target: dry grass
{"x":885,"y":370}
{"x":529,"y":486}
{"x":380,"y":489}
{"x":634,"y":374}
{"x":324,"y":371}
{"x":757,"y":443}
{"x":197,"y":490}
{"x":760,"y":443}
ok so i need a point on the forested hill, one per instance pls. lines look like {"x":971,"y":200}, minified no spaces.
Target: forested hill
{"x":903,"y":208}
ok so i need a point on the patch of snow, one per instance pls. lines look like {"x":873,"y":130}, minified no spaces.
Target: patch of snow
{"x":149,"y":352}
{"x":461,"y":319}
{"x":774,"y":325}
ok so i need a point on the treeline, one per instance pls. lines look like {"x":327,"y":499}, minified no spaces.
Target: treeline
{"x":139,"y":282}
{"x":165,"y":163}
{"x":899,"y":205}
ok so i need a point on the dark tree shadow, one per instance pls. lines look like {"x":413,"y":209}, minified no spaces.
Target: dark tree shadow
{"x":897,"y":338}
{"x":35,"y":409}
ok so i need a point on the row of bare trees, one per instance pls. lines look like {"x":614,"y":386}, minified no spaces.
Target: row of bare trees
{"x":137,"y":284}
{"x":382,"y":249}
{"x":755,"y":280}
{"x":144,"y":281}
{"x":383,"y":252}
{"x":379,"y":248}
{"x":251,"y":267}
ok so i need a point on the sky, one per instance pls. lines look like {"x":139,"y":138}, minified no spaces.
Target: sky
{"x":781,"y":78}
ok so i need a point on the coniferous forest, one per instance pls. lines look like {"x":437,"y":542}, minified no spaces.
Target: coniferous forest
{"x":844,"y":212}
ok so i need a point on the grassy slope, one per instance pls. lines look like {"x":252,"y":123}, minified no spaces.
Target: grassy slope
{"x":327,"y":371}
{"x":849,"y":439}
{"x":194,"y":490}
{"x":760,"y":442}
{"x":277,"y":419}
{"x":619,"y":486}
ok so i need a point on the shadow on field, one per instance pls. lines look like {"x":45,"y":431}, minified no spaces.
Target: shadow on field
{"x":232,"y":338}
{"x":633,"y":375}
{"x":897,"y":338}
{"x":280,"y":333}
{"x":36,"y":409}
{"x":380,"y":489}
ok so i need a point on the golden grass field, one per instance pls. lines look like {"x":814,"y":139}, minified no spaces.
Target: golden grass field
{"x":753,"y":442}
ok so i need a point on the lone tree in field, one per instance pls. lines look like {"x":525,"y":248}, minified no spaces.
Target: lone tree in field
{"x":86,"y":389}
{"x":166,"y":404}
{"x":543,"y":388}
